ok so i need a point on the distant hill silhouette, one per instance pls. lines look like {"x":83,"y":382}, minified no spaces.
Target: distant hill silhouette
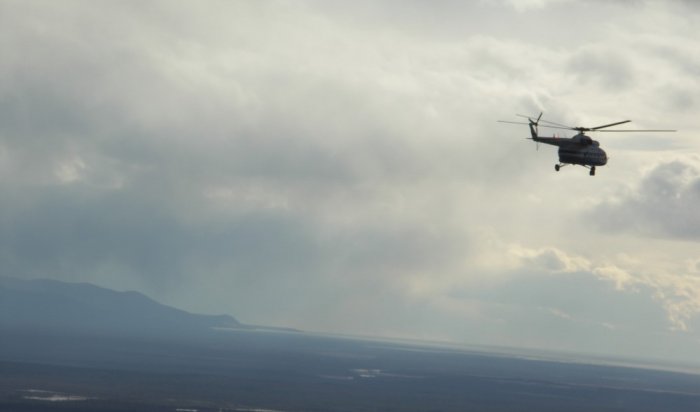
{"x":54,"y":306}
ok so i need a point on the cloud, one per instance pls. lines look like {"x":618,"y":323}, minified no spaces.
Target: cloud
{"x":547,"y":276}
{"x":337,"y":167}
{"x":550,"y":259}
{"x":663,"y":204}
{"x":555,"y":310}
{"x":621,"y":278}
{"x":524,"y":5}
{"x":608,"y":69}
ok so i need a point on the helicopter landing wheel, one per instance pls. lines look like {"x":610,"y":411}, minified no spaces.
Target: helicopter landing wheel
{"x":592,"y":172}
{"x":557,"y":167}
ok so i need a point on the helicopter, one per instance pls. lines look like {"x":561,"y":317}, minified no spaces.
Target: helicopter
{"x":577,"y":150}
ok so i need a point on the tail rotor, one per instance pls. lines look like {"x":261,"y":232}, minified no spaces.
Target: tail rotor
{"x":533,"y":126}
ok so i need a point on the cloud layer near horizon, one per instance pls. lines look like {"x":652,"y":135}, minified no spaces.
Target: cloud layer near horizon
{"x":338,"y":167}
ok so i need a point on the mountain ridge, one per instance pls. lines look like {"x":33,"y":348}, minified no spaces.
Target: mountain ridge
{"x":56,"y":306}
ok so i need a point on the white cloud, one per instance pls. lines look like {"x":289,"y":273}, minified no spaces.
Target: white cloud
{"x":524,"y":5}
{"x":613,"y":273}
{"x":666,"y":285}
{"x":550,"y":260}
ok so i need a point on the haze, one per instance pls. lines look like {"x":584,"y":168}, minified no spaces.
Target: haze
{"x":337,"y":166}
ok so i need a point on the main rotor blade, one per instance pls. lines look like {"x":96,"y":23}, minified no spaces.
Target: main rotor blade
{"x":506,"y":121}
{"x":556,"y":124}
{"x":546,"y":121}
{"x":556,"y":127}
{"x":608,"y":125}
{"x":548,"y":127}
{"x":644,"y":130}
{"x":531,"y":117}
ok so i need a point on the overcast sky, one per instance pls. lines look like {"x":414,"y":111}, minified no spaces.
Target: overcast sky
{"x":337,"y":166}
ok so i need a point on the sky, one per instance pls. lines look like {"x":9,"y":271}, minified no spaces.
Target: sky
{"x":338,"y":167}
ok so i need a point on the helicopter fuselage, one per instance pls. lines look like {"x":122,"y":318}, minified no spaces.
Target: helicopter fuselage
{"x":577,"y":150}
{"x":589,"y":156}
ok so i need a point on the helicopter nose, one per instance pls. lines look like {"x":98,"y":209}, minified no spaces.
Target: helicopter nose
{"x":603,"y":157}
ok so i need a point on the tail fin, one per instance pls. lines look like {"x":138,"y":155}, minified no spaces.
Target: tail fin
{"x":533,"y":126}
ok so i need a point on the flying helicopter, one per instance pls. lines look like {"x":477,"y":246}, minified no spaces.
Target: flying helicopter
{"x":579,"y":149}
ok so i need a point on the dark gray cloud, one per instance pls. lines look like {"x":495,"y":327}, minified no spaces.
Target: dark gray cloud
{"x":570,"y":309}
{"x":663,"y":204}
{"x":604,"y":69}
